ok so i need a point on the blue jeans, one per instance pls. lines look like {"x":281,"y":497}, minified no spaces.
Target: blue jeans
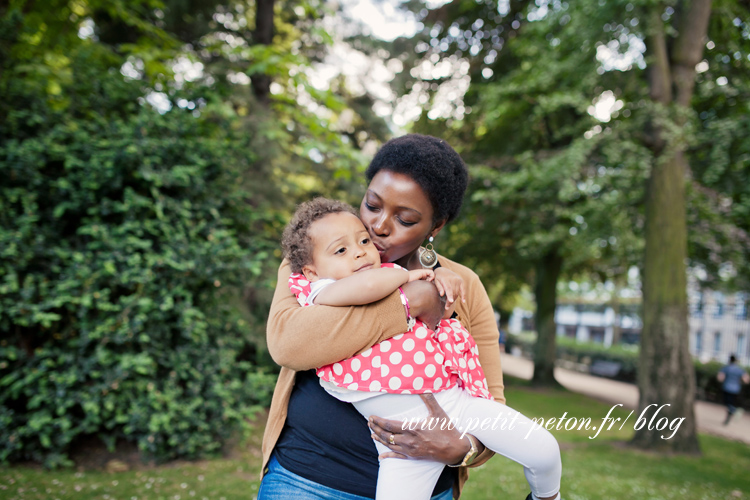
{"x":281,"y":484}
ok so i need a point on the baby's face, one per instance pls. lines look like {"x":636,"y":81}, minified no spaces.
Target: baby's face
{"x":341,"y":247}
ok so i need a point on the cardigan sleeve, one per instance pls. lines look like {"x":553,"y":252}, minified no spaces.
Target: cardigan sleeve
{"x":486,"y":335}
{"x":302,"y":338}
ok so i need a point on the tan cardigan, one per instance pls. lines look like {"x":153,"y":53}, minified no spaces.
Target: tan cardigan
{"x":305,"y":338}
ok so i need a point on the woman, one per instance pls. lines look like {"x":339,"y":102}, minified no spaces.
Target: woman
{"x":318,"y":447}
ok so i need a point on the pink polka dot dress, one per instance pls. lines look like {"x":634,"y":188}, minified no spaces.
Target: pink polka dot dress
{"x":415,"y":362}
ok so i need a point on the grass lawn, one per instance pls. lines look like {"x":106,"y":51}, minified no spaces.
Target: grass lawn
{"x":605,"y":468}
{"x":600,"y":468}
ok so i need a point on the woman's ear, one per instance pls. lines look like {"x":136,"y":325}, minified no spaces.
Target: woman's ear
{"x":435,"y":230}
{"x":310,"y":274}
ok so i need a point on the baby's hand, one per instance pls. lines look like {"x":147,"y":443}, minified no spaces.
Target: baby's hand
{"x":451,"y":285}
{"x":421,"y":274}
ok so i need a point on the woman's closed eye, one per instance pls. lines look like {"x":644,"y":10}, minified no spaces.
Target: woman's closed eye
{"x":371,"y":208}
{"x":405,"y":223}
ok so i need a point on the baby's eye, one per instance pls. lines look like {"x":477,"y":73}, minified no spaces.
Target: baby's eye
{"x":340,"y":251}
{"x":366,"y":241}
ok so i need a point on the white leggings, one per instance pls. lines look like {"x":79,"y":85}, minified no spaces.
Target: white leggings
{"x":507,"y":432}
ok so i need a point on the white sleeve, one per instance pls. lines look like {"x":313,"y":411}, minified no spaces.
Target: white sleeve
{"x":316,"y":287}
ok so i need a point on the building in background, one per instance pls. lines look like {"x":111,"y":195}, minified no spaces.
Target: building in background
{"x":718,"y":322}
{"x":719,"y":326}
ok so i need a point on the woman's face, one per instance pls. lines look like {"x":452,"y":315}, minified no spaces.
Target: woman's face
{"x":398,"y":216}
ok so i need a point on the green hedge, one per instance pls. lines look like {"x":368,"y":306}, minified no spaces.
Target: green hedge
{"x":586,"y":353}
{"x":125,"y":239}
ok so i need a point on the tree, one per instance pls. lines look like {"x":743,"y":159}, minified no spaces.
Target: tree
{"x":540,"y":206}
{"x":665,"y":374}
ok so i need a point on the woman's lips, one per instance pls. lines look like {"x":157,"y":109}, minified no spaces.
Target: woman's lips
{"x":380,"y":249}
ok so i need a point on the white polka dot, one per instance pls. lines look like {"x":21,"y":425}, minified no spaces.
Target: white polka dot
{"x":338,"y":369}
{"x":418,"y":383}
{"x":472,"y":364}
{"x":478,"y":383}
{"x":376,"y":362}
{"x":438,"y":383}
{"x":462,"y":362}
{"x":429,"y":370}
{"x":395,"y":358}
{"x":439,"y":358}
{"x":449,"y":347}
{"x":398,"y":337}
{"x":353,"y":387}
{"x":406,"y":391}
{"x":374,"y":386}
{"x":407,"y":371}
{"x":385,"y":346}
{"x":365,"y":375}
{"x":430,"y":347}
{"x":366,"y":353}
{"x":443,"y":337}
{"x":421,"y":332}
{"x":356,"y":364}
{"x":394,"y":383}
{"x":384,"y":371}
{"x":348,"y":379}
{"x":419,"y":357}
{"x":303,"y":282}
{"x":408,"y":345}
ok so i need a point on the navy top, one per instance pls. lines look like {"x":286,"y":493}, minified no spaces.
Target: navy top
{"x":327,"y":441}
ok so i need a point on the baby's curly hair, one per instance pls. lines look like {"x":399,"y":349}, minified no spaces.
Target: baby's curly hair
{"x":295,"y":242}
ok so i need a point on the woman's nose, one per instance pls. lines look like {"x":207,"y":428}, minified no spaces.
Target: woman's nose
{"x":380,"y":227}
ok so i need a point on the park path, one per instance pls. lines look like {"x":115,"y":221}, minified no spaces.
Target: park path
{"x":710,"y":416}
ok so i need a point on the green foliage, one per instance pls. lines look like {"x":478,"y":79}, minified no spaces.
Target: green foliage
{"x":124,"y":237}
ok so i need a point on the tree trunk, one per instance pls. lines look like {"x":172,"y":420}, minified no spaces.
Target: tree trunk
{"x":666,"y":377}
{"x":263,"y":35}
{"x":545,"y":292}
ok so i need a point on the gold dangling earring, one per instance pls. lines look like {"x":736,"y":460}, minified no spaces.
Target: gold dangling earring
{"x":428,"y":257}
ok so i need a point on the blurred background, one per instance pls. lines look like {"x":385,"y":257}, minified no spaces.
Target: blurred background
{"x":151,"y":152}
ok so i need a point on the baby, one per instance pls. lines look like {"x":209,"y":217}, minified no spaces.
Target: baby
{"x":336,"y":264}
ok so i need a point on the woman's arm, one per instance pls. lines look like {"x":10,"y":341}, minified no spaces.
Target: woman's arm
{"x":302,"y":338}
{"x":368,"y":286}
{"x":483,"y":329}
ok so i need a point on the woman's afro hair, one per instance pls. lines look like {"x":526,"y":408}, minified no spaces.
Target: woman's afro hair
{"x":296,"y":242}
{"x":433,"y":164}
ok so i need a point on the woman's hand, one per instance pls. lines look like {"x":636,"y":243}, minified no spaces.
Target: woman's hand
{"x":425,"y":303}
{"x":451,"y":285}
{"x":438,"y":444}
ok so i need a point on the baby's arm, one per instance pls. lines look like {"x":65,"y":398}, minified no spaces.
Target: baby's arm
{"x":368,"y":286}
